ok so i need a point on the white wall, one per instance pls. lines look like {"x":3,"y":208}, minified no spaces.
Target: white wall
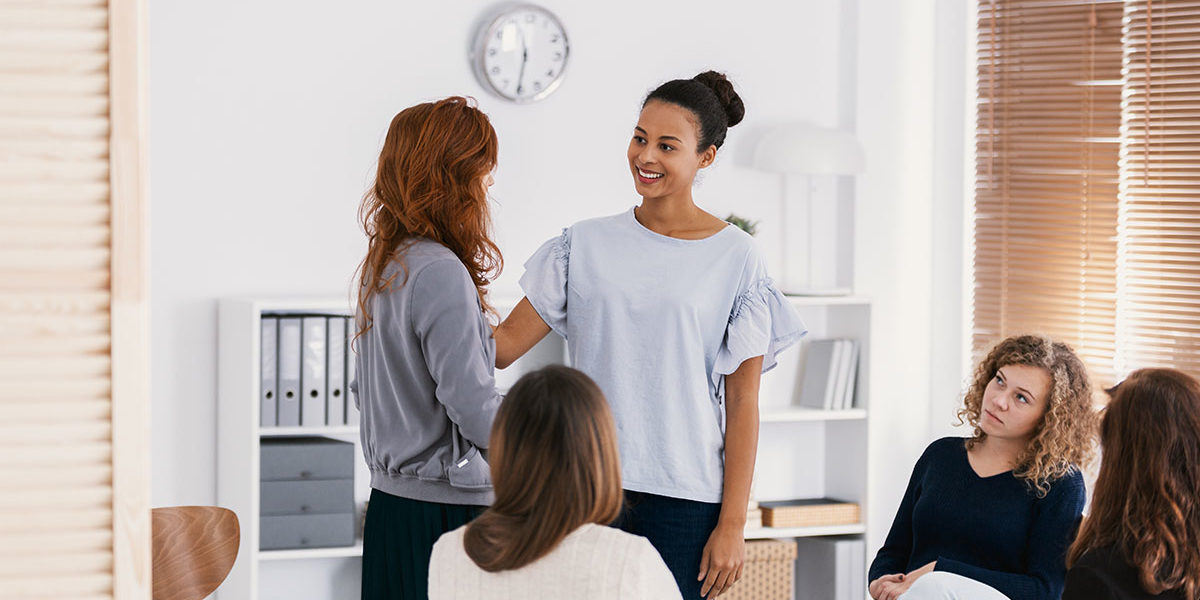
{"x":266,"y":118}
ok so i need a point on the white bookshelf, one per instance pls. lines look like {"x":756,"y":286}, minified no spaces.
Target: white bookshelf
{"x":811,"y":453}
{"x":239,"y":439}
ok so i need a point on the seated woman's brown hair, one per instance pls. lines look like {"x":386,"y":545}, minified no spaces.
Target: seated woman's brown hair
{"x":1146,"y":502}
{"x":555,"y":466}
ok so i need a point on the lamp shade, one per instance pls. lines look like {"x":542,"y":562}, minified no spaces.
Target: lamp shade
{"x":808,"y":149}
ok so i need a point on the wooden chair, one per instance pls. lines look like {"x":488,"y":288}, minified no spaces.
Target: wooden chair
{"x":194,"y":549}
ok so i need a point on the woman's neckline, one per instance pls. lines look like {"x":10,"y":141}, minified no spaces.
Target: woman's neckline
{"x":638,"y":224}
{"x":966,"y":455}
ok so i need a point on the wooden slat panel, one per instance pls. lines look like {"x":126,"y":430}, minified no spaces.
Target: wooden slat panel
{"x":68,"y":565}
{"x":27,"y":196}
{"x":33,"y":18}
{"x":24,"y":61}
{"x":37,"y":519}
{"x":62,"y":411}
{"x":69,"y":587}
{"x":55,"y":40}
{"x":55,"y":455}
{"x":57,"y":536}
{"x":54,"y":237}
{"x":45,"y":106}
{"x":44,"y":346}
{"x":93,"y":479}
{"x":55,"y":390}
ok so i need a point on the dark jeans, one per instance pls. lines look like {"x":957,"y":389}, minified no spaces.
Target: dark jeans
{"x":398,"y":538}
{"x":677,"y":528}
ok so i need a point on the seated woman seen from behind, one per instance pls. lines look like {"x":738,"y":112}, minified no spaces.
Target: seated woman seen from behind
{"x":1141,"y":538}
{"x":557,"y":477}
{"x":991,"y":516}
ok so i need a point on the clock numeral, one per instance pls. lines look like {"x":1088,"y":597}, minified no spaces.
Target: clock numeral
{"x":495,"y":70}
{"x":558,"y":56}
{"x":537,"y":85}
{"x":491,"y":52}
{"x":554,"y":39}
{"x":550,"y":73}
{"x":504,"y":82}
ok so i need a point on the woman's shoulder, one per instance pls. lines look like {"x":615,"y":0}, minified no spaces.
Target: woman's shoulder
{"x":450,"y":544}
{"x":947,"y":446}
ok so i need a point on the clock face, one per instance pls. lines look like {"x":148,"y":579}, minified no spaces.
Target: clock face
{"x":521,"y":54}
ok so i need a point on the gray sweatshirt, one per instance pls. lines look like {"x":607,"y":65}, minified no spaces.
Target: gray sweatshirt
{"x":425,"y":383}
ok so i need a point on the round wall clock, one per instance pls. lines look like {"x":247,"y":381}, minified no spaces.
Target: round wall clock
{"x":520,"y":53}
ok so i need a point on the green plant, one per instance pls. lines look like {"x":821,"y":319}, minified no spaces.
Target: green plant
{"x":750,"y":227}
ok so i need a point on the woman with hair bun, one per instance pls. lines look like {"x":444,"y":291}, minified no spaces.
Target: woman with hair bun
{"x":990,"y":517}
{"x":1141,"y":538}
{"x":424,"y":351}
{"x":670,"y":310}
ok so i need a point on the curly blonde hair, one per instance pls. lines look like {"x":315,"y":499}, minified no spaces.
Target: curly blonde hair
{"x":1064,"y":440}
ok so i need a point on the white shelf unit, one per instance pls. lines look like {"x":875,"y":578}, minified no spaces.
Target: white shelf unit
{"x":239,"y":437}
{"x":809,"y":453}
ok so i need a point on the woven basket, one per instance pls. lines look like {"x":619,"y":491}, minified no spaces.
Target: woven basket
{"x":768,"y":574}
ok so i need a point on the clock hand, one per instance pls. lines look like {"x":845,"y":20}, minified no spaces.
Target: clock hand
{"x":524,"y":60}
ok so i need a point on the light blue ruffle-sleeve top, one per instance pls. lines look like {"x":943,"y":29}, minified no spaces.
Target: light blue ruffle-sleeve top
{"x":658,"y":322}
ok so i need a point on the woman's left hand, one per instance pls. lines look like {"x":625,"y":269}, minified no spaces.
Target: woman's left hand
{"x":722,"y":561}
{"x":897,"y":589}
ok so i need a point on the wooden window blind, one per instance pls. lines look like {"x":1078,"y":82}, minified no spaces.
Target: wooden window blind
{"x":74,"y":494}
{"x":1159,"y":265}
{"x":1046,"y":174}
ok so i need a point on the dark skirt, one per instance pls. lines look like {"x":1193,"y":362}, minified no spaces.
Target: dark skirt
{"x":677,"y":528}
{"x":398,"y":538}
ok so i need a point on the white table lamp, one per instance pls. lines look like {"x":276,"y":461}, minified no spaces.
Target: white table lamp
{"x":801,"y":149}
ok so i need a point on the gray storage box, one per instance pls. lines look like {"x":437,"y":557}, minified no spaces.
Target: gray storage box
{"x":306,"y":531}
{"x":291,"y":458}
{"x":317,"y":496}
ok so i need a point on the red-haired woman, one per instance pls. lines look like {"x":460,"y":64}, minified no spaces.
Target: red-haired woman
{"x":425,"y":352}
{"x":1142,"y":536}
{"x":558,"y":484}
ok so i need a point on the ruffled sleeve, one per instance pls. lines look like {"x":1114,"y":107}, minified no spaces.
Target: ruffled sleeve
{"x":762,"y":323}
{"x":545,"y":281}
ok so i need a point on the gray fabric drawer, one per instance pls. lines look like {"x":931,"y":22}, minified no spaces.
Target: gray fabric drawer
{"x":306,"y":531}
{"x":316,"y":496}
{"x":306,"y":458}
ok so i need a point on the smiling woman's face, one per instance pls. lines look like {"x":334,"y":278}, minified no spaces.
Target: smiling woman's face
{"x":662,"y":153}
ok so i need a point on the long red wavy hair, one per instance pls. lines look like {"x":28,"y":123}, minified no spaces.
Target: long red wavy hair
{"x":430,"y":184}
{"x":1147,"y":497}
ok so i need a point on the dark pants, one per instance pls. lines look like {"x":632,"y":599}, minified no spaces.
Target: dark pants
{"x":677,"y":528}
{"x":398,"y":538}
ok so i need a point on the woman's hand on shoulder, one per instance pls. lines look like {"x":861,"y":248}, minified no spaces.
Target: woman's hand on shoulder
{"x":723,"y":559}
{"x":523,"y":329}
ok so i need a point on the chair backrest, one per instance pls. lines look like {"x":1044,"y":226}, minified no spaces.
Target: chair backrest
{"x":194,"y":549}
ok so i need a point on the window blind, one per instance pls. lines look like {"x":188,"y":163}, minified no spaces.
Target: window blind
{"x":1046,"y":182}
{"x":1159,"y":221}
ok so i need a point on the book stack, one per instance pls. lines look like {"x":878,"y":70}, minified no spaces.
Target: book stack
{"x":753,"y":515}
{"x":831,"y":568}
{"x":809,"y":512}
{"x":830,"y":369}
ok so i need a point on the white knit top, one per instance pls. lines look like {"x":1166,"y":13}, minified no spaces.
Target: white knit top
{"x":593,"y":561}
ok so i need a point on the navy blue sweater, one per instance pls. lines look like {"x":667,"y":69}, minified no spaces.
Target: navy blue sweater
{"x":992,"y":529}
